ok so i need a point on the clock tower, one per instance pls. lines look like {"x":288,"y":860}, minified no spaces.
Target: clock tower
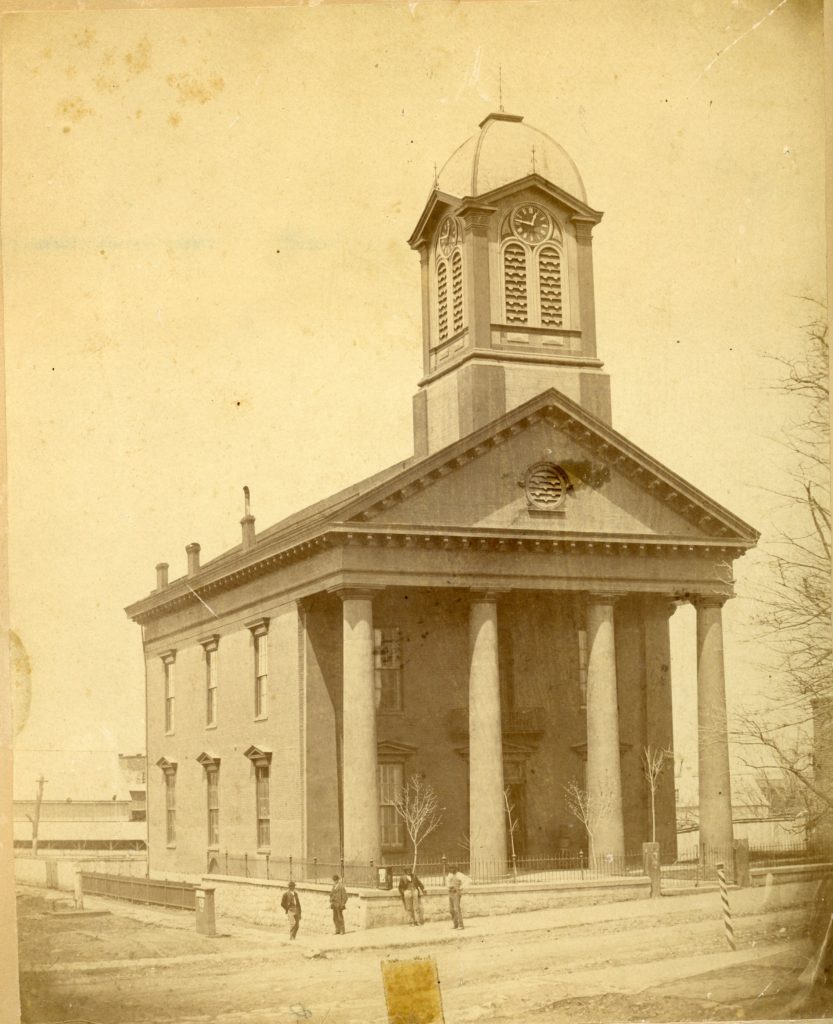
{"x":505,"y":245}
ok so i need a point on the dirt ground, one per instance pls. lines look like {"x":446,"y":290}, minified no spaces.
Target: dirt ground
{"x":669,"y":964}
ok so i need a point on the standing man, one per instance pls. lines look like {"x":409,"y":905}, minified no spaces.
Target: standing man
{"x":338,"y":901}
{"x":292,"y":906}
{"x":455,"y":888}
{"x":411,"y":891}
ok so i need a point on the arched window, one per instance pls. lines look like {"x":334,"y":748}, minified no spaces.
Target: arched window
{"x":533,"y":271}
{"x":442,"y":298}
{"x":549,"y":284}
{"x":457,"y":291}
{"x":514,"y":283}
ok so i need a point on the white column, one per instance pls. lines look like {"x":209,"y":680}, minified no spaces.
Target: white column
{"x":604,"y":776}
{"x":487,"y":818}
{"x":360,"y":784}
{"x":713,"y":740}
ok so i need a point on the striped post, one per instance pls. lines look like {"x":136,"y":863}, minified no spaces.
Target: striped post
{"x":727,"y":913}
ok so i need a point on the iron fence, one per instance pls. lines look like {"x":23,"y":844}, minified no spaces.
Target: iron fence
{"x":564,"y":867}
{"x":787,"y":853}
{"x":697,"y":865}
{"x":152,"y":891}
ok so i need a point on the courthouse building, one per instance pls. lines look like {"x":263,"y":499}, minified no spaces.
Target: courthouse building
{"x":491,"y":613}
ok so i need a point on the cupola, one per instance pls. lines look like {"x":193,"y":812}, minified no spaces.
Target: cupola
{"x":505,"y":244}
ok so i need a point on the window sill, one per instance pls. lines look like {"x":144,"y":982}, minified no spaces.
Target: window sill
{"x":214,"y":849}
{"x":264,"y":849}
{"x":171,"y":733}
{"x":170,"y":846}
{"x":211,"y":725}
{"x":260,"y":718}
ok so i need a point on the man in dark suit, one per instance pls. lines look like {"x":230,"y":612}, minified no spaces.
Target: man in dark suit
{"x":411,"y":891}
{"x":338,"y":901}
{"x":292,"y":906}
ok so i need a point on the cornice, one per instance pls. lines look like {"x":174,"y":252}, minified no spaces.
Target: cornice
{"x":459,"y":541}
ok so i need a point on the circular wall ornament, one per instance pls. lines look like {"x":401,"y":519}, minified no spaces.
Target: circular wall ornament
{"x":546,"y":486}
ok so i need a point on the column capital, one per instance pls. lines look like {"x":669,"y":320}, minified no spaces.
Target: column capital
{"x":359,"y":593}
{"x":603,"y":596}
{"x":708,"y":600}
{"x":486,"y":594}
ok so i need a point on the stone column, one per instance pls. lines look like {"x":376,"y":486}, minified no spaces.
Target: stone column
{"x":360,"y":776}
{"x":713,"y":741}
{"x":604,"y":776}
{"x":659,"y":718}
{"x":487,"y":816}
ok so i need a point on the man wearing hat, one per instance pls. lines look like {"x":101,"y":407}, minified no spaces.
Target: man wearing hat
{"x":338,"y":901}
{"x":292,"y":905}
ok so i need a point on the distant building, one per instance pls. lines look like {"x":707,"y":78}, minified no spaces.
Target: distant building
{"x":492,"y":613}
{"x":86,"y":802}
{"x":134,"y":768}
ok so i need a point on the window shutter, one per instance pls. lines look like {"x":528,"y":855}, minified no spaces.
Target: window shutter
{"x":457,"y":290}
{"x":549,"y":274}
{"x":514,"y":282}
{"x":442,"y":300}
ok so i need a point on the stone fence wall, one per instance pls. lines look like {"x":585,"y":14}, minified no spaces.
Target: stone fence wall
{"x":59,"y":872}
{"x":257,"y":901}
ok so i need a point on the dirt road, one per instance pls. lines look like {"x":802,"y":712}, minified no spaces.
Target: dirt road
{"x":670,"y":963}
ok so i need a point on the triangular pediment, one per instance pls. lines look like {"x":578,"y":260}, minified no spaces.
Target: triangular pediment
{"x":390,"y":748}
{"x":505,"y":477}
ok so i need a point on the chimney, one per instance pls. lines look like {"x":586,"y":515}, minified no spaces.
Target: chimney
{"x":161,"y":575}
{"x":193,"y":552}
{"x":247,"y":522}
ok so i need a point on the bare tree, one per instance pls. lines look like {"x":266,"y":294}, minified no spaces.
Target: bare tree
{"x":790,"y":733}
{"x":417,"y":805}
{"x":589,"y":809}
{"x":654,"y":761}
{"x":512,"y":826}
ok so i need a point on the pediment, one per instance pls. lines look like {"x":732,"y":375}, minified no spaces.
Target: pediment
{"x":208,"y":760}
{"x":389,"y":748}
{"x":258,"y":755}
{"x":486,"y":482}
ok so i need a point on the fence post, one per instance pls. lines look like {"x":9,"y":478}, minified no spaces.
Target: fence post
{"x":315,"y":869}
{"x":444,"y":862}
{"x":226,"y":861}
{"x":740,"y":857}
{"x":727,"y":913}
{"x":267,"y":867}
{"x":514,"y":867}
{"x":581,"y":863}
{"x":290,"y":867}
{"x":650,"y":865}
{"x":246,"y":863}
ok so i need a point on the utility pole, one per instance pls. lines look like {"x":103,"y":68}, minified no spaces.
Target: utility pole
{"x":36,"y":820}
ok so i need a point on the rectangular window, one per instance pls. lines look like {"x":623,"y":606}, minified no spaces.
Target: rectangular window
{"x":261,"y":673}
{"x":170,"y":807}
{"x":210,"y":687}
{"x":391,"y":824}
{"x":169,"y":696}
{"x":262,"y":798}
{"x":213,"y":780}
{"x":582,"y":667}
{"x":387,"y":656}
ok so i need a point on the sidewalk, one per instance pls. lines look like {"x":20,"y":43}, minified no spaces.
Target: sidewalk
{"x":259,"y":941}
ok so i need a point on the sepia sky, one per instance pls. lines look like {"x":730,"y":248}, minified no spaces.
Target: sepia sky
{"x":207,"y":282}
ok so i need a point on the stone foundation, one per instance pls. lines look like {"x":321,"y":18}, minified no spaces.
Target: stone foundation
{"x":256,"y":901}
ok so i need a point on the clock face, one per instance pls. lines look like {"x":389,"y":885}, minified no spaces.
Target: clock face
{"x":448,"y":235}
{"x":531,"y":223}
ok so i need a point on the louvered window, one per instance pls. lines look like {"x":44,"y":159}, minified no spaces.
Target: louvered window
{"x":549,"y":278}
{"x":514,"y":282}
{"x":442,"y":300}
{"x":457,"y":291}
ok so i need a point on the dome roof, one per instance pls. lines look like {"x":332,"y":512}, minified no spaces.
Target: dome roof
{"x":502,"y":152}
